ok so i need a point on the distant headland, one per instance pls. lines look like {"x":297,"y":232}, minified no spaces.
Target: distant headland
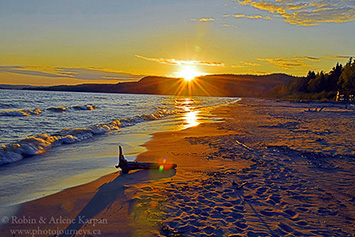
{"x":340,"y":81}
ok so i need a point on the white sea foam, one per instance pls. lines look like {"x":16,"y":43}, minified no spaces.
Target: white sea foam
{"x":39,"y":144}
{"x":65,"y":118}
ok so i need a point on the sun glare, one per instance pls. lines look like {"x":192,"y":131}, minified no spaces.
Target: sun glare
{"x":189,"y":73}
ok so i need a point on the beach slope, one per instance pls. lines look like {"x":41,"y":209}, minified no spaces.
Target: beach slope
{"x":268,"y":168}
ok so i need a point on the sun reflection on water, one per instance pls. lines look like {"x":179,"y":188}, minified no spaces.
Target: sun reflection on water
{"x":191,"y":119}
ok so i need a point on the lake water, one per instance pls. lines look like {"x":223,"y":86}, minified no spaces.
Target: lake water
{"x":54,"y":140}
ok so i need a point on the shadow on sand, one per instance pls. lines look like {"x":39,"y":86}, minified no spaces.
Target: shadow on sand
{"x":108,"y":192}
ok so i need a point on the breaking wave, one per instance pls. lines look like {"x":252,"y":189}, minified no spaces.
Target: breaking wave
{"x":30,"y":112}
{"x":21,"y":112}
{"x":40,"y":143}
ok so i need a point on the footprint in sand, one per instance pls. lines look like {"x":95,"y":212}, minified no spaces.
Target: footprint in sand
{"x":261,"y":190}
{"x":172,"y":224}
{"x":230,"y":219}
{"x":326,"y":211}
{"x":237,"y":215}
{"x":291,"y":214}
{"x":227,"y":204}
{"x":197,"y":211}
{"x":286,"y":228}
{"x":199,"y":224}
{"x":217,"y":215}
{"x":241,"y":225}
{"x":268,"y":212}
{"x":302,"y":223}
{"x":207,"y":209}
{"x":248,"y":197}
{"x":187,"y":209}
{"x":301,"y":209}
{"x":256,"y":234}
{"x":235,"y":202}
{"x":209,"y":230}
{"x":238,"y":209}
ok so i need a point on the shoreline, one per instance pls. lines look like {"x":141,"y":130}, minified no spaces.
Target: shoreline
{"x":90,"y":159}
{"x":83,"y":193}
{"x":282,"y":176}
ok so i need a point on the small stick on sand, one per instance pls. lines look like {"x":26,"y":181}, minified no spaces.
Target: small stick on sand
{"x":242,"y":185}
{"x":243,"y":145}
{"x":235,"y":184}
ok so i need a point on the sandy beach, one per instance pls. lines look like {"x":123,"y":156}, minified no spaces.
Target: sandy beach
{"x":266,"y":169}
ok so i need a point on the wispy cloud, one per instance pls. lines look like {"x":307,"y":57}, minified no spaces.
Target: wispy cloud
{"x":255,"y":17}
{"x":298,"y":6}
{"x":181,"y":62}
{"x":299,"y":62}
{"x":340,"y":57}
{"x":92,"y":73}
{"x":252,"y":16}
{"x":251,"y":64}
{"x":206,"y":19}
{"x":229,"y":25}
{"x":269,"y":6}
{"x":73,"y":73}
{"x":34,"y":71}
{"x":308,"y":58}
{"x":287,"y":63}
{"x":245,"y":64}
{"x":245,"y":2}
{"x":315,"y":12}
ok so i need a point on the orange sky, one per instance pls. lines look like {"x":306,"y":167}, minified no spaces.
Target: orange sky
{"x":73,"y":42}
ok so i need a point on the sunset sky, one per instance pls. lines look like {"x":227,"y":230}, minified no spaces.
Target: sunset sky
{"x":45,"y":42}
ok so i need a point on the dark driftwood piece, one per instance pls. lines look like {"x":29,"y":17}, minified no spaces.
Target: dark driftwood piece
{"x":126,"y":166}
{"x":315,"y":110}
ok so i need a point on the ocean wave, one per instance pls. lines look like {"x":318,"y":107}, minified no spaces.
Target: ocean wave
{"x":39,"y":144}
{"x":78,"y":107}
{"x":30,"y":112}
{"x":85,"y":107}
{"x":21,"y":112}
{"x":58,"y":109}
{"x":100,"y":97}
{"x":5,"y":106}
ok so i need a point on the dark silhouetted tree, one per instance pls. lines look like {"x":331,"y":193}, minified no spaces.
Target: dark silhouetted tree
{"x":333,"y":78}
{"x":347,"y":78}
{"x":317,"y":84}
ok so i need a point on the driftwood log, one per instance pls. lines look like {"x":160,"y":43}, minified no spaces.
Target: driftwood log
{"x":315,"y":110}
{"x":127,"y":166}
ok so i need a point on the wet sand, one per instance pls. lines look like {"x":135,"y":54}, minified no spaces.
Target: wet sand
{"x":269,"y":169}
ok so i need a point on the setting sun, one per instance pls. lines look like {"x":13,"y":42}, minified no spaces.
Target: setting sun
{"x":189,"y":73}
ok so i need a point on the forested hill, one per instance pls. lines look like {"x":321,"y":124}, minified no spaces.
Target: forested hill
{"x":210,"y":85}
{"x":324,"y":85}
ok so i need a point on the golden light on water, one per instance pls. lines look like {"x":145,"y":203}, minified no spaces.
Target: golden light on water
{"x":191,"y":119}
